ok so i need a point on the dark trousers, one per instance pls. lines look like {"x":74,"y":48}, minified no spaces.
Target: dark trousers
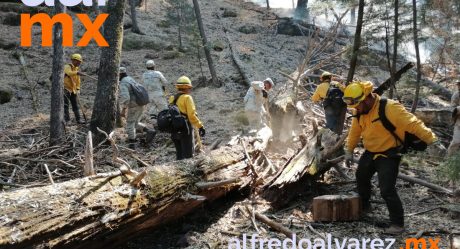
{"x":184,"y":144}
{"x":72,"y":98}
{"x":387,"y":169}
{"x":333,"y":117}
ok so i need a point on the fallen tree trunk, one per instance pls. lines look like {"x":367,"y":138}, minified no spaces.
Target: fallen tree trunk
{"x":302,"y":169}
{"x":102,"y":212}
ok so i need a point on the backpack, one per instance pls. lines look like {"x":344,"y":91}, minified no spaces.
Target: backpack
{"x":411,"y":141}
{"x":334,"y":97}
{"x":141,"y":94}
{"x":171,"y":119}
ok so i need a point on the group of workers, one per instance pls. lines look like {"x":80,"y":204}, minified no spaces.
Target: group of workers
{"x":155,"y":84}
{"x":382,"y":147}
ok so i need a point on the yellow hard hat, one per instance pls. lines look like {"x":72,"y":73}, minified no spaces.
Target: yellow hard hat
{"x":183,"y":82}
{"x":325,"y":74}
{"x":353,"y":95}
{"x":76,"y":57}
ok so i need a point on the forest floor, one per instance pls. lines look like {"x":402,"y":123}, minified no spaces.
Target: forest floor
{"x":264,"y":53}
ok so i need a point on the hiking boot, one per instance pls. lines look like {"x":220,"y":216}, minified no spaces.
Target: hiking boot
{"x":150,"y":136}
{"x":394,"y":229}
{"x":132,"y":144}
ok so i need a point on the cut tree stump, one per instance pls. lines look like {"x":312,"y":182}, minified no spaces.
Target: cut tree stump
{"x":336,"y":208}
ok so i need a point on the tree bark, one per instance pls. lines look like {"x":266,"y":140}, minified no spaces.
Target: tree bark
{"x":57,"y":84}
{"x":103,"y":212}
{"x":135,"y":28}
{"x":207,"y":51}
{"x":417,"y":55}
{"x":356,"y":42}
{"x":105,"y":104}
{"x":395,"y":47}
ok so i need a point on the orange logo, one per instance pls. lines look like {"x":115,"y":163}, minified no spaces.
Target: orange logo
{"x":47,"y":23}
{"x":413,"y":243}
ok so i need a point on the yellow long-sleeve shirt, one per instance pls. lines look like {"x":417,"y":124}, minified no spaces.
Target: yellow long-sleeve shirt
{"x":321,"y":90}
{"x":71,"y":78}
{"x":187,"y":106}
{"x":376,"y":138}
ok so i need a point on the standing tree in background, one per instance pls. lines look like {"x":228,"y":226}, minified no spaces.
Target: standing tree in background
{"x":181,"y":13}
{"x":391,"y":63}
{"x":207,"y":51}
{"x":417,"y":55}
{"x":57,"y":84}
{"x":105,"y":103}
{"x":301,"y":9}
{"x":356,"y":42}
{"x":395,"y":48}
{"x":268,"y":4}
{"x":135,"y":28}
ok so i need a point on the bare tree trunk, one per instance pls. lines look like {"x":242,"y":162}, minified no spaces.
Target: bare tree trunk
{"x":207,"y":51}
{"x":301,"y":9}
{"x":417,"y":55}
{"x":135,"y":28}
{"x":105,"y":104}
{"x":57,"y":86}
{"x":395,"y":47}
{"x":95,"y":7}
{"x":268,"y":4}
{"x":179,"y":26}
{"x":356,"y":42}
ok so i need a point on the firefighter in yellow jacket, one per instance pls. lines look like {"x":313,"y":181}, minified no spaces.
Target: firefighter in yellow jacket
{"x":72,"y":87}
{"x":382,"y":154}
{"x":330,"y":93}
{"x":183,"y":140}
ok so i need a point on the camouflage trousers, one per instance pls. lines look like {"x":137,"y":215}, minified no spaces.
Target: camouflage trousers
{"x":454,"y":146}
{"x":133,"y":121}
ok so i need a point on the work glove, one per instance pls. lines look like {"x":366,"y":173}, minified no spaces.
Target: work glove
{"x":202,"y":132}
{"x":348,"y":158}
{"x":264,"y":94}
{"x":437,"y":146}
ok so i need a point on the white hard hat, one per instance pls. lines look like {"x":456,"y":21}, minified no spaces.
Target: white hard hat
{"x":122,"y":69}
{"x":150,"y":63}
{"x":269,"y":81}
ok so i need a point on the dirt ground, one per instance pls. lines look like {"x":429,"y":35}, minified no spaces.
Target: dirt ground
{"x":265,"y":54}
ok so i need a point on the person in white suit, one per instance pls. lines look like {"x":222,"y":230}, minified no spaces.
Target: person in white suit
{"x":155,"y":83}
{"x":254,"y":101}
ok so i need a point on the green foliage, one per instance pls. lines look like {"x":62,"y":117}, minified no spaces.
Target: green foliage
{"x":248,"y":29}
{"x":164,"y":24}
{"x":450,"y":168}
{"x":5,"y":95}
{"x":172,"y":55}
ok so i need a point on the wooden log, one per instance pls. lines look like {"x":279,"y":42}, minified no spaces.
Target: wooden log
{"x":88,"y":168}
{"x":425,"y":184}
{"x":275,"y":225}
{"x":102,"y":212}
{"x":302,"y":169}
{"x":336,"y":208}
